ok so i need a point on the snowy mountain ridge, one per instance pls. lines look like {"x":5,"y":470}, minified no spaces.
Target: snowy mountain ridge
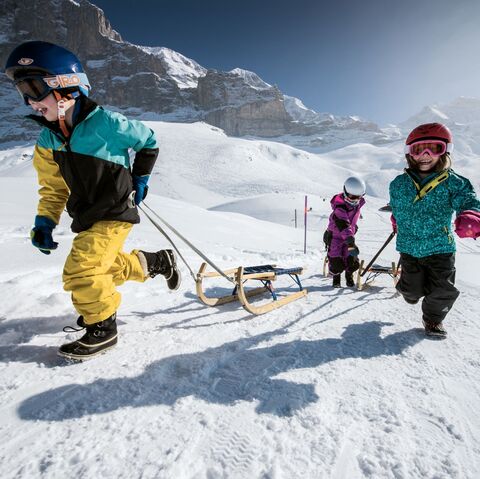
{"x":462,"y":116}
{"x":251,"y":78}
{"x":183,"y":70}
{"x":157,"y":81}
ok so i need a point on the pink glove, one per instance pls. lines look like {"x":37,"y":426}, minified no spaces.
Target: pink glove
{"x":394,"y":223}
{"x":467,"y":224}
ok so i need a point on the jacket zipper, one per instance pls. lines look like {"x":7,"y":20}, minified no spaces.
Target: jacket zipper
{"x":66,"y":144}
{"x":447,"y":232}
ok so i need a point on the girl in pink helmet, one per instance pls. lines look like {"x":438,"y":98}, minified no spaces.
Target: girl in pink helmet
{"x":423,"y":200}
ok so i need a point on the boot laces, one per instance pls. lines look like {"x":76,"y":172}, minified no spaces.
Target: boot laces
{"x":73,"y":329}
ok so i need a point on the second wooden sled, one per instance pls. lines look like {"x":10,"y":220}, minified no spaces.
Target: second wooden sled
{"x":266,"y":274}
{"x":375,"y":270}
{"x":325,"y":266}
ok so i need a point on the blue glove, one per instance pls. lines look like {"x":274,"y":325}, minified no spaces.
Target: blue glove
{"x":353,"y":250}
{"x":352,"y":247}
{"x":140,"y":187}
{"x":41,"y":234}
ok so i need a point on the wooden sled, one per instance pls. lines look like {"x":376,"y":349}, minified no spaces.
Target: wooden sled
{"x":373,"y":271}
{"x":266,"y":274}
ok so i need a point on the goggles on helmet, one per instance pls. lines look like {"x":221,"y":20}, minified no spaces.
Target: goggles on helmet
{"x":32,"y":88}
{"x":37,"y":87}
{"x":351,"y":199}
{"x":432,"y":147}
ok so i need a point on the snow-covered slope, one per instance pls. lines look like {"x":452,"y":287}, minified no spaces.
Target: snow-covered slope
{"x":340,"y":384}
{"x":202,"y":156}
{"x":198,"y":163}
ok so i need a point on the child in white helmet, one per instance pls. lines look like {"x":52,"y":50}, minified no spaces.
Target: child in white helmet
{"x":342,"y":227}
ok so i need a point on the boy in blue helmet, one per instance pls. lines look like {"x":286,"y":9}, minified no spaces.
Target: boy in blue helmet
{"x":83,"y":165}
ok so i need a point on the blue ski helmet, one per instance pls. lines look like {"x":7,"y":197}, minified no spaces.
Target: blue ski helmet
{"x":37,"y":68}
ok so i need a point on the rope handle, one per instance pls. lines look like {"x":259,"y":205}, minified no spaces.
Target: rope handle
{"x":185,"y":240}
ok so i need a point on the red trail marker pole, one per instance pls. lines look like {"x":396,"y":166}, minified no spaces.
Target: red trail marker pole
{"x":305,"y":224}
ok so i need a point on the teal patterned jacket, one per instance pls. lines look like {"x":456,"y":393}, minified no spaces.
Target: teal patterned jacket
{"x":424,"y":227}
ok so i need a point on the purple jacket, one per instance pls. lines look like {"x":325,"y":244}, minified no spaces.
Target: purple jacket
{"x":343,"y":220}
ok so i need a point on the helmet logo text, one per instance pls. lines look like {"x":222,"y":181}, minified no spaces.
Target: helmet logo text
{"x":25,"y":61}
{"x":62,"y":81}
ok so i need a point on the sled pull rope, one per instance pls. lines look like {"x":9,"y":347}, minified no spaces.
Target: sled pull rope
{"x":164,"y":233}
{"x":392,"y":234}
{"x":194,"y":248}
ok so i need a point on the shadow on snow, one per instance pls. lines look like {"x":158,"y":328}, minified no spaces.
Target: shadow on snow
{"x":235,"y":371}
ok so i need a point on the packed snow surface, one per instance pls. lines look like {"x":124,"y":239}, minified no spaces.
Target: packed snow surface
{"x":339,"y":384}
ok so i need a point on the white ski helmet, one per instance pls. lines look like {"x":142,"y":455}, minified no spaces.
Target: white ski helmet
{"x":354,"y":186}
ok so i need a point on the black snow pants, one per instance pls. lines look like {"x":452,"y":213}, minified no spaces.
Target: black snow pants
{"x":431,"y":277}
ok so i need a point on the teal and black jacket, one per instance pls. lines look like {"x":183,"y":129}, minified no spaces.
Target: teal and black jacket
{"x":423,"y":209}
{"x":90,"y":172}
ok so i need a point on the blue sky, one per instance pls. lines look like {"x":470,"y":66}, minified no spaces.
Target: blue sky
{"x":380,"y":59}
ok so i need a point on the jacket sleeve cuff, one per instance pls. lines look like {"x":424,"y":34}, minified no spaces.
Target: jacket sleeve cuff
{"x":144,"y":161}
{"x":44,"y":222}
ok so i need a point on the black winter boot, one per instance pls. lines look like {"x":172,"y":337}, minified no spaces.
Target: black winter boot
{"x":434,"y":329}
{"x":98,"y":338}
{"x":349,"y":278}
{"x":162,"y":262}
{"x":337,"y":283}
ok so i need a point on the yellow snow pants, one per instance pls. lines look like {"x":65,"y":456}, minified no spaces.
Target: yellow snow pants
{"x":95,"y":265}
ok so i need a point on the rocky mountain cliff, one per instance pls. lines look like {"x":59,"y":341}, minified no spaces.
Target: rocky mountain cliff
{"x":462,"y":116}
{"x":156,"y":82}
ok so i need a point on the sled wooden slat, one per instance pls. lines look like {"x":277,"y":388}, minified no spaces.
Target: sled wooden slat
{"x":241,"y":294}
{"x":271,"y":276}
{"x":212,"y":274}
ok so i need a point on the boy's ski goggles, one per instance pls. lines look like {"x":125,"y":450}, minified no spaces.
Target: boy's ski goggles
{"x":432,"y":147}
{"x":32,"y":88}
{"x":37,"y":87}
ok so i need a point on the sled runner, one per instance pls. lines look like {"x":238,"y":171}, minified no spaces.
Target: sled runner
{"x":266,"y":274}
{"x":325,"y":266}
{"x":373,"y":271}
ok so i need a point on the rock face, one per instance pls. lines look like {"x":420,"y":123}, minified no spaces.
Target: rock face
{"x":241,"y":109}
{"x":123,"y":76}
{"x":144,"y":80}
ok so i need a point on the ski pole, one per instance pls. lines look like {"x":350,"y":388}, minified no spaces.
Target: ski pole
{"x":392,"y":234}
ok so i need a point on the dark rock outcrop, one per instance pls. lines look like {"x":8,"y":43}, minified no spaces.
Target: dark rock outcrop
{"x":141,"y":80}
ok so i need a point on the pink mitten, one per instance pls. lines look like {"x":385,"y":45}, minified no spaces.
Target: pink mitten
{"x":467,"y":224}
{"x":394,"y":223}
